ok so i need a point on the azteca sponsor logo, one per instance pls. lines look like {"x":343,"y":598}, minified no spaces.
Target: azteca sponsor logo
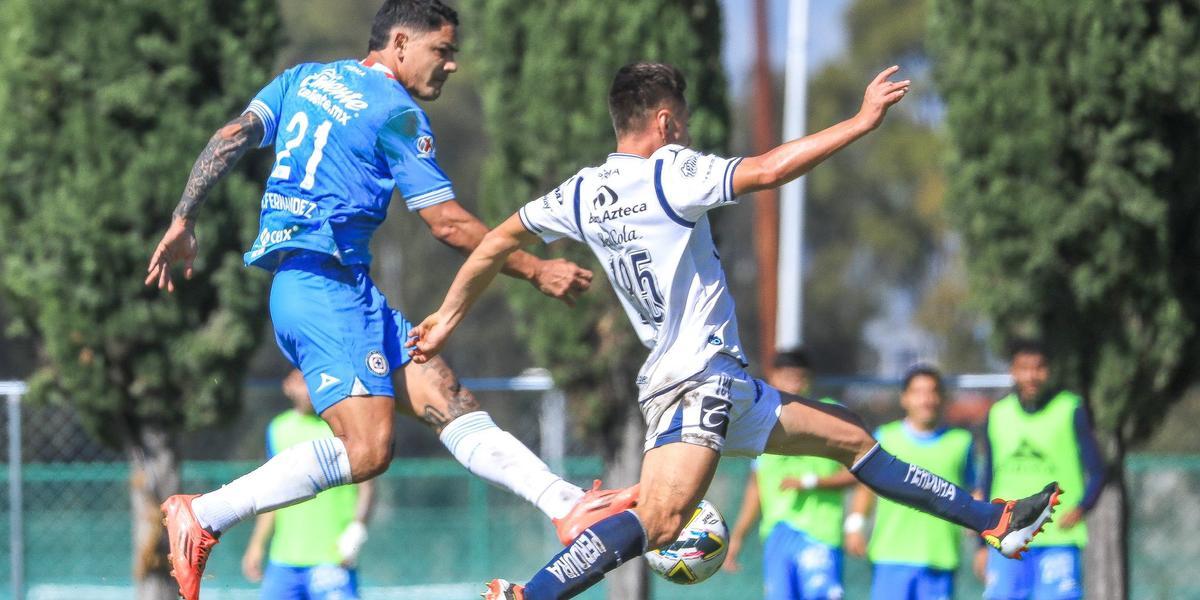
{"x":580,"y":557}
{"x":617,"y":213}
{"x":297,"y":206}
{"x":424,"y":146}
{"x":925,"y":480}
{"x":327,"y":91}
{"x":607,"y":197}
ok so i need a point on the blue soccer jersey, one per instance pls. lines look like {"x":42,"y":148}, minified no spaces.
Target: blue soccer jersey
{"x":345,"y":134}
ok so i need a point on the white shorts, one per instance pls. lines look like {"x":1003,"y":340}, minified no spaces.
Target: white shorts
{"x":722,"y":408}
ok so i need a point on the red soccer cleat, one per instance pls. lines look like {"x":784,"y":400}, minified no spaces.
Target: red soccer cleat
{"x":1021,"y":521}
{"x":190,"y":544}
{"x":595,"y":506}
{"x":500,"y":589}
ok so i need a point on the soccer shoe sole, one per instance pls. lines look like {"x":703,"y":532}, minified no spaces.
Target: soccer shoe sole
{"x":1016,"y":542}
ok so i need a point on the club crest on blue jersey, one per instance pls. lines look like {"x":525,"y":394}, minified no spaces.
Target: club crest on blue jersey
{"x":425,"y":146}
{"x":377,"y":363}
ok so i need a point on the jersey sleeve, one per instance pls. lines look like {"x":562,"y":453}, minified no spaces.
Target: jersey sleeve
{"x":268,"y":104}
{"x":556,"y":214}
{"x":692,"y":183}
{"x":407,"y":141}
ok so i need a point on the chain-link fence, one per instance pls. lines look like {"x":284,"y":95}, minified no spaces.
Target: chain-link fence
{"x":437,"y":531}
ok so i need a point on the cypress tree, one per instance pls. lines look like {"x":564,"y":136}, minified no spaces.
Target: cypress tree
{"x":106,"y":105}
{"x":1073,"y":180}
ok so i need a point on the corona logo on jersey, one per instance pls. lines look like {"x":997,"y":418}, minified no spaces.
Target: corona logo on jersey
{"x":698,"y":551}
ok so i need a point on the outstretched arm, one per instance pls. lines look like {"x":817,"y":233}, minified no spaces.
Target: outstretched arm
{"x":454,"y":226}
{"x":795,"y":158}
{"x":223,"y":151}
{"x":428,"y":338}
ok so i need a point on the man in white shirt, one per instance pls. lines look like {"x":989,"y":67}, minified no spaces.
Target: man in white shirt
{"x":643,"y":214}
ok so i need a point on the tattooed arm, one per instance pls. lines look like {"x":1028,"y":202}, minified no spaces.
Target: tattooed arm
{"x":223,"y":151}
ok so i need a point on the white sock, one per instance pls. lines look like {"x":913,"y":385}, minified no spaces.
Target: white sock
{"x":498,"y":457}
{"x":294,"y":475}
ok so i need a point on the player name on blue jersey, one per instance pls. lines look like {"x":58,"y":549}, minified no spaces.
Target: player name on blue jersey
{"x":345,"y":135}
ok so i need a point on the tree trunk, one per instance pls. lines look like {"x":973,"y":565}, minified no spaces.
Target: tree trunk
{"x":1106,"y":559}
{"x":153,"y":475}
{"x":624,"y":467}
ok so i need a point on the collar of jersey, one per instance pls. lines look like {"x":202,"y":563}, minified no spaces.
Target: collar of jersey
{"x":625,"y":155}
{"x":378,"y":66}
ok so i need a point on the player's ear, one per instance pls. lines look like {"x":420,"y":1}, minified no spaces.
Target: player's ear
{"x":399,"y":42}
{"x":663,"y":123}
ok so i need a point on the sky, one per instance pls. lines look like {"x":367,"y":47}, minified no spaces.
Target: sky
{"x":826,"y":35}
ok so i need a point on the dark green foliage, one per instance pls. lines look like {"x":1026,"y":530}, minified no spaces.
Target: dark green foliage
{"x":546,"y":68}
{"x":1074,"y":180}
{"x":105,"y":105}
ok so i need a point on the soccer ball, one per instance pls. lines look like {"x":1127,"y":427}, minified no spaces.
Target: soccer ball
{"x":698,"y":551}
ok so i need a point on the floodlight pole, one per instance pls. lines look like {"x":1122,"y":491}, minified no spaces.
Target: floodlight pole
{"x":789,"y":332}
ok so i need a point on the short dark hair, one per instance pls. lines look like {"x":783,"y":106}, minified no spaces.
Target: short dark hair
{"x":923,"y":370}
{"x":639,"y":88}
{"x":1027,"y":346}
{"x":420,"y":15}
{"x":795,"y":358}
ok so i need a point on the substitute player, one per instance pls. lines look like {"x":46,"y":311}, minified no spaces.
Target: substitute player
{"x":314,"y":545}
{"x":345,"y":135}
{"x":643,"y":214}
{"x":800,"y":498}
{"x":1038,"y":431}
{"x":915,"y":555}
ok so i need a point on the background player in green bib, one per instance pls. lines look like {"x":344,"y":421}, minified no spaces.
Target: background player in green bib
{"x":800,"y":498}
{"x":1036,"y":431}
{"x":914,"y":554}
{"x":314,"y":544}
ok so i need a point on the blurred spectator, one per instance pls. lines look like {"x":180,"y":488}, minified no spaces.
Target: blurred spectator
{"x":1039,"y":433}
{"x":800,"y":498}
{"x":915,"y":554}
{"x":314,"y":544}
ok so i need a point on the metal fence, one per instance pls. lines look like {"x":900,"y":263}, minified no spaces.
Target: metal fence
{"x":439,"y":532}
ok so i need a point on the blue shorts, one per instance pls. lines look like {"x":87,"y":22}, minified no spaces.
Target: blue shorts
{"x":797,"y":567}
{"x":334,"y":325}
{"x":1044,"y":573}
{"x":323,"y":582}
{"x":911,"y":582}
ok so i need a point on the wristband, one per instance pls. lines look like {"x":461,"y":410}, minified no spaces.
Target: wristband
{"x":809,"y":481}
{"x":854,"y":523}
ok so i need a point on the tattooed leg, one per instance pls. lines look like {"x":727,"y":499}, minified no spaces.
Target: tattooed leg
{"x":438,"y":399}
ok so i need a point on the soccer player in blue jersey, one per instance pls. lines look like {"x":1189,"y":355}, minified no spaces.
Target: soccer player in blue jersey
{"x":346,"y":134}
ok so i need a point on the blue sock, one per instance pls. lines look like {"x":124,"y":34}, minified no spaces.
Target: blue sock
{"x":913,"y":486}
{"x":598,"y":550}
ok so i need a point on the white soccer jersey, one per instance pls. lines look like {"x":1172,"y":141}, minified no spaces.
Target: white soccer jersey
{"x":644,"y":218}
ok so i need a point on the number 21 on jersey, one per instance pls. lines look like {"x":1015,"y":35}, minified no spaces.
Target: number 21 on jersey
{"x":297,"y":128}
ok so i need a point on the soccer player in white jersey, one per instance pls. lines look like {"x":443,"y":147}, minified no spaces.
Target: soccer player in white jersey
{"x":346,"y":134}
{"x":643,"y":214}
